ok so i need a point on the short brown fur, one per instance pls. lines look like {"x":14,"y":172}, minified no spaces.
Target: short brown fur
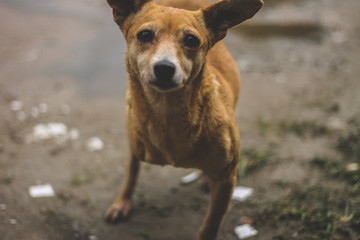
{"x":192,"y":124}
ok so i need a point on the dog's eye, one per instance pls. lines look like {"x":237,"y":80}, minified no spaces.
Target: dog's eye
{"x":191,"y":41}
{"x":146,"y":36}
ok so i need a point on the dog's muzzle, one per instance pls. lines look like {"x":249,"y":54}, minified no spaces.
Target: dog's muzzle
{"x":164,"y":72}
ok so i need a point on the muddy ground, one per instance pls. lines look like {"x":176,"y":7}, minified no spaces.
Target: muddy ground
{"x":62,"y":61}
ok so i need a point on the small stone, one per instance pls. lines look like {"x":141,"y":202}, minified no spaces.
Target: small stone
{"x":95,"y":144}
{"x":13,"y":221}
{"x":43,"y":107}
{"x":3,"y":206}
{"x":352,"y":167}
{"x":21,"y":116}
{"x":16,"y":106}
{"x":65,"y":109}
{"x":336,"y":124}
{"x":32,"y":55}
{"x":74,"y":134}
{"x":35,"y":112}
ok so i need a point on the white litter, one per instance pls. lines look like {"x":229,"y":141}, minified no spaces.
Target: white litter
{"x":95,"y":144}
{"x":41,"y":191}
{"x":245,"y":231}
{"x":242,"y":193}
{"x":56,"y":131}
{"x":50,"y":130}
{"x":190,"y":178}
{"x":16,"y":105}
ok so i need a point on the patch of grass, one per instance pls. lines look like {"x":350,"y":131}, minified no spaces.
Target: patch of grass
{"x":304,"y":128}
{"x":338,"y":170}
{"x":158,"y":210}
{"x":347,"y":167}
{"x":8,"y":178}
{"x":145,"y":234}
{"x":349,"y":144}
{"x":301,"y":129}
{"x":265,"y":127}
{"x":314,"y":214}
{"x":161,"y":211}
{"x":82,"y":178}
{"x":251,"y":159}
{"x":197,"y":203}
{"x":48,"y":211}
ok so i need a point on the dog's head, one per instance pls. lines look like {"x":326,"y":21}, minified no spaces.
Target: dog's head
{"x":167,"y":46}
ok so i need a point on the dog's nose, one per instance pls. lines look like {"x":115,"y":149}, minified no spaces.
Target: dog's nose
{"x":164,"y":70}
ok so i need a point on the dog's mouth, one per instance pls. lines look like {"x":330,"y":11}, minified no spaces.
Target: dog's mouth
{"x":164,"y":85}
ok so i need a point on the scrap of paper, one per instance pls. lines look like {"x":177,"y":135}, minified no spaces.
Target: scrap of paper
{"x":242,"y":193}
{"x":190,"y":178}
{"x":41,"y":191}
{"x":245,"y":231}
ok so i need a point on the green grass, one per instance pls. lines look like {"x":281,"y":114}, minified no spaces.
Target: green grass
{"x":145,"y":234}
{"x":314,"y":213}
{"x":302,"y":129}
{"x":8,"y":178}
{"x":82,"y":178}
{"x":197,"y":203}
{"x":252,"y":159}
{"x":337,"y":169}
{"x":349,"y":144}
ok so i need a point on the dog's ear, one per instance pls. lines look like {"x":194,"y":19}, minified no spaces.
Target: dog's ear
{"x":222,"y":15}
{"x":122,"y":9}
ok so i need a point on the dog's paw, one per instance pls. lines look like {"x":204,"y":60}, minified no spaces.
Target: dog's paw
{"x":118,"y":211}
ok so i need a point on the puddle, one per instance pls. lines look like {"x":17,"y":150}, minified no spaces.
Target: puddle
{"x":300,"y":30}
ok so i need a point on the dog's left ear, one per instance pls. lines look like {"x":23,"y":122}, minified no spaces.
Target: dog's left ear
{"x":222,"y":15}
{"x":122,"y":9}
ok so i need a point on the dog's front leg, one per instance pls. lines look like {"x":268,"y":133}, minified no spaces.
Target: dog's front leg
{"x":120,"y":208}
{"x":221,"y":191}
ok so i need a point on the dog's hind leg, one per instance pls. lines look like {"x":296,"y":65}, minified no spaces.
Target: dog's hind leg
{"x":221,"y":191}
{"x":120,"y":208}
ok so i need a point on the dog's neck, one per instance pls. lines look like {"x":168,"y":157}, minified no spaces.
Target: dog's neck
{"x":189,"y":100}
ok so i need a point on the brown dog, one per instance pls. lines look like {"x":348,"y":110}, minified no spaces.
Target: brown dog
{"x":182,"y":92}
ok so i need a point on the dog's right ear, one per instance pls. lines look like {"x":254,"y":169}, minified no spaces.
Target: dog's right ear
{"x":222,"y":15}
{"x":122,"y":9}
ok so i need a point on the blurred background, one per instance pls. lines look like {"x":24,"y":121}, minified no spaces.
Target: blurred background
{"x":62,"y":86}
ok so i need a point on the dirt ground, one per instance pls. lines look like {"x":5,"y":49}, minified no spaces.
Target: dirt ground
{"x":62,"y":62}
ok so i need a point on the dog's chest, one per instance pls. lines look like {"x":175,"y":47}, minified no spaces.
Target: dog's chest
{"x":170,"y":142}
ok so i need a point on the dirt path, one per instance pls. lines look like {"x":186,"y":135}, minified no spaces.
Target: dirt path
{"x":62,"y":62}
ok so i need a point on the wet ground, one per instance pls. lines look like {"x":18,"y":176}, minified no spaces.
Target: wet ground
{"x":62,"y":61}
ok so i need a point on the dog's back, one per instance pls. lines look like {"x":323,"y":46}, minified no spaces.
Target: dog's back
{"x":219,"y":59}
